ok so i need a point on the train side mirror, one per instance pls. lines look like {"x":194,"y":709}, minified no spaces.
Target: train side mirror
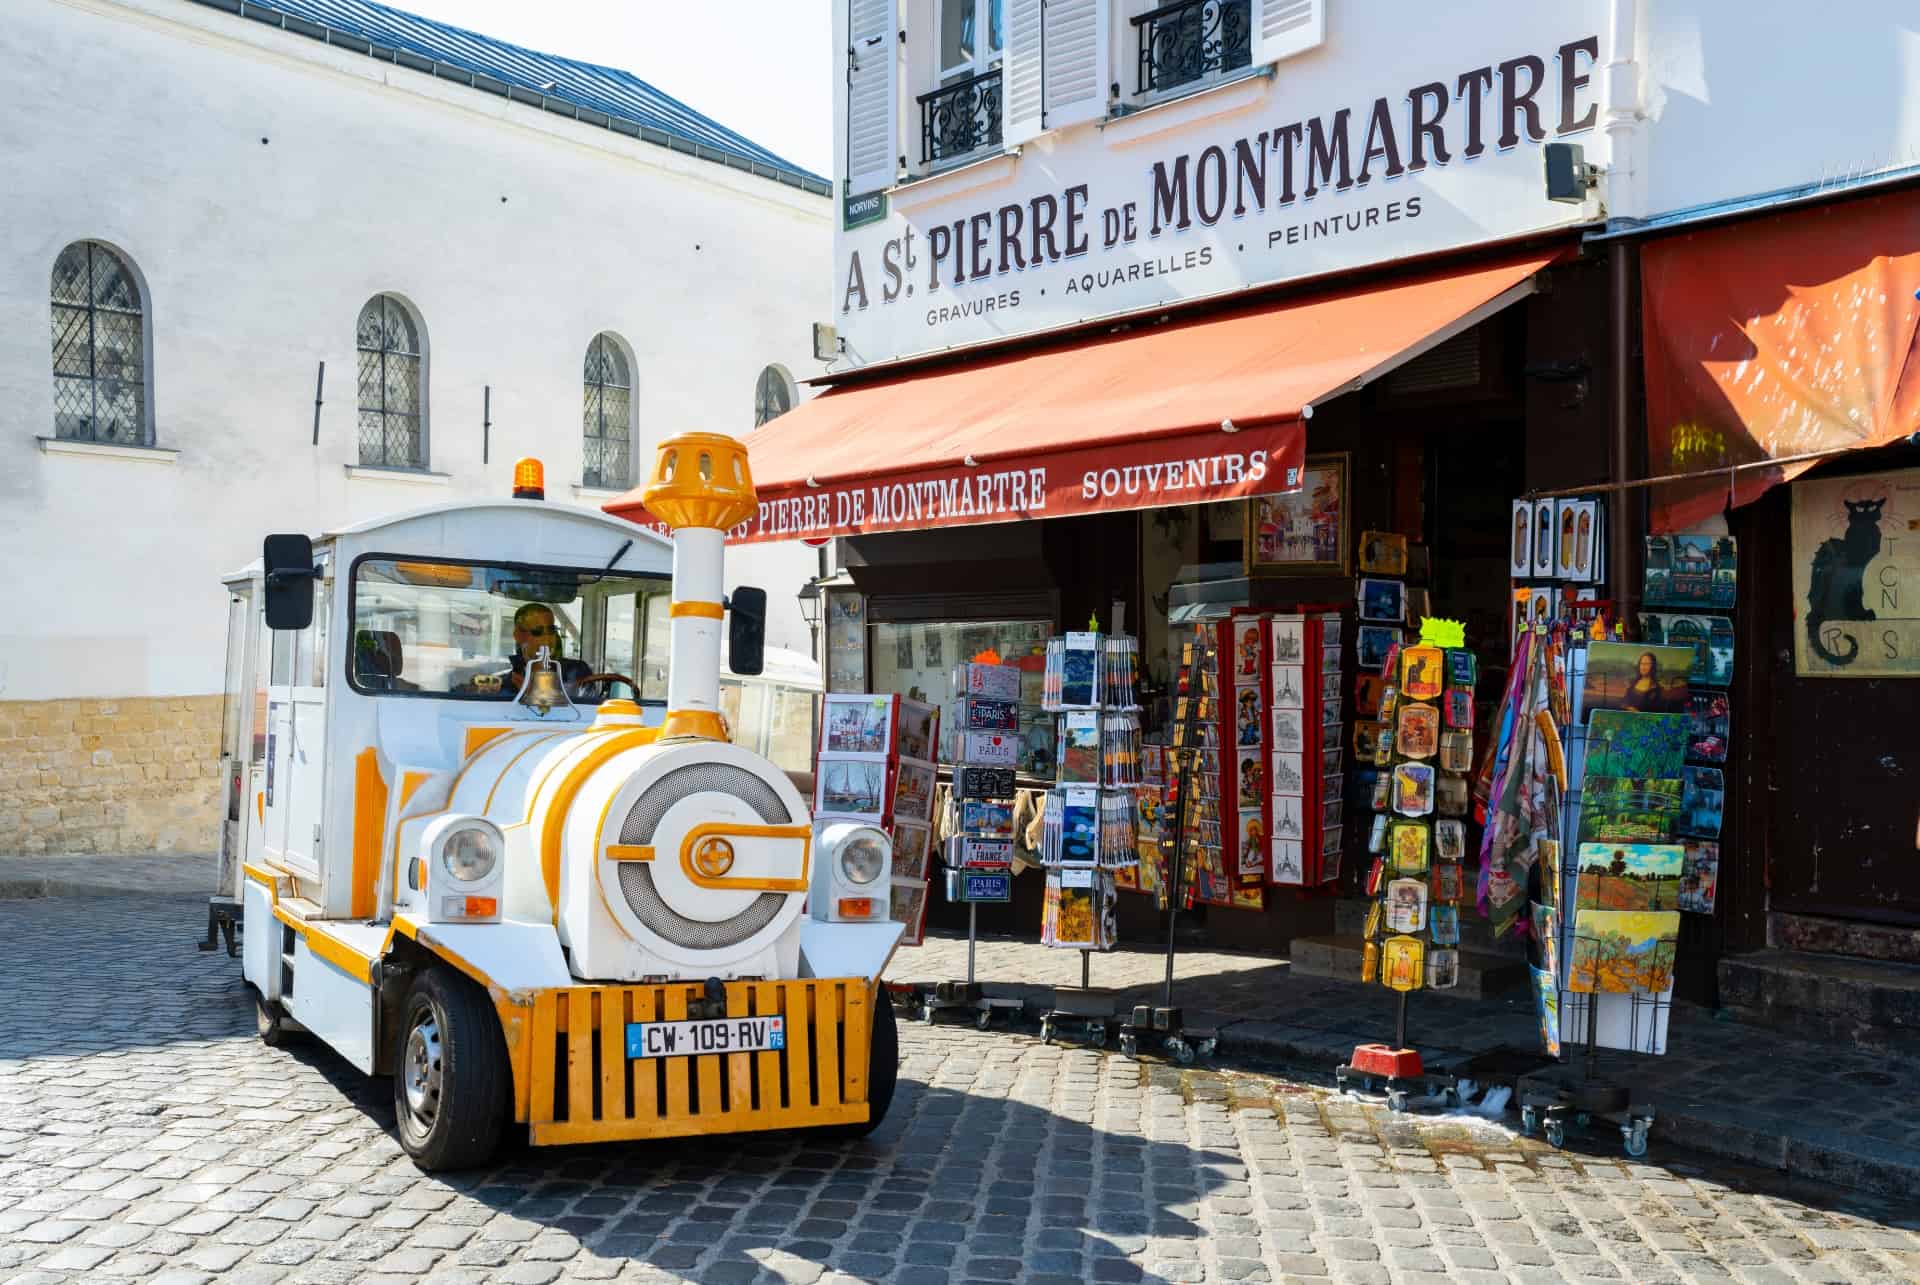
{"x":290,"y":575}
{"x":747,"y":630}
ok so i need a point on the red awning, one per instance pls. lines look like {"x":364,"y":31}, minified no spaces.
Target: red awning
{"x":1185,"y":412}
{"x":1782,"y":336}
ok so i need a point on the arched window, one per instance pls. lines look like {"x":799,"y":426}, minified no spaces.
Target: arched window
{"x":772,"y":395}
{"x":99,"y":348}
{"x":607,"y":415}
{"x":393,"y":423}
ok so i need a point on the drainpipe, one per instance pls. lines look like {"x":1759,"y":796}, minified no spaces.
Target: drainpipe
{"x":1623,"y":122}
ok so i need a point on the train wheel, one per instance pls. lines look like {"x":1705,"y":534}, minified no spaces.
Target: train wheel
{"x":451,"y":1080}
{"x":883,"y":1074}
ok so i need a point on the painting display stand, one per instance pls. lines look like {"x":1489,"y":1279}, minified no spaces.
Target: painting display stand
{"x":1552,"y":1099}
{"x":1166,"y":1022}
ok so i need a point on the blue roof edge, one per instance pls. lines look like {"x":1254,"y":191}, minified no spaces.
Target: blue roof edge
{"x":268,"y":14}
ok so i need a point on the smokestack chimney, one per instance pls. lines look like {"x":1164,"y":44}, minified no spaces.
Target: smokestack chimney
{"x":700,"y":487}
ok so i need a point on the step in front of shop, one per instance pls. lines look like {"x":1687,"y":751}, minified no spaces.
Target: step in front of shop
{"x":1482,"y":975}
{"x":1869,"y":1003}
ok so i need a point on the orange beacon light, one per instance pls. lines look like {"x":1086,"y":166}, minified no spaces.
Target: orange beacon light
{"x":529,"y":479}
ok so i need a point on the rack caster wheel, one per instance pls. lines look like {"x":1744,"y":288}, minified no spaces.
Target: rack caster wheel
{"x":1635,"y":1138}
{"x":1046,"y":1031}
{"x":1130,"y":1046}
{"x":1181,"y":1050}
{"x":1206,"y":1047}
{"x":1529,"y":1121}
{"x":1581,"y":1119}
{"x":1556,"y":1134}
{"x":926,"y":1015}
{"x":984,"y":1019}
{"x":1097,"y":1037}
{"x":1396,"y":1100}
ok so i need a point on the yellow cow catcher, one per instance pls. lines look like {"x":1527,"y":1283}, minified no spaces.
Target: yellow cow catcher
{"x":486,"y":833}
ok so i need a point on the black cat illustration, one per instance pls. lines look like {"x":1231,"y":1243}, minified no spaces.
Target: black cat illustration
{"x":1835,"y":585}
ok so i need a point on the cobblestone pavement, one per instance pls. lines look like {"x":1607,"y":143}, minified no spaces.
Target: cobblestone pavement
{"x":145,"y":1134}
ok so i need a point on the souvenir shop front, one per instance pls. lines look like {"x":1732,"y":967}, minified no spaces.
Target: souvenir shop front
{"x":1348,"y":456}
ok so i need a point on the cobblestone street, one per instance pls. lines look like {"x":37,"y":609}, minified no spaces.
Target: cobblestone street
{"x":145,"y":1133}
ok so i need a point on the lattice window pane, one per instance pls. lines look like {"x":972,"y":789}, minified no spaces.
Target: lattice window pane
{"x":402,"y":384}
{"x":112,"y":287}
{"x":389,"y":385}
{"x":72,"y":350}
{"x":70,"y":276}
{"x":99,"y":347}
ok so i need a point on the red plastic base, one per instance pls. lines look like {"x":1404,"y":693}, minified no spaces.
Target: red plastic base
{"x":1378,"y":1059}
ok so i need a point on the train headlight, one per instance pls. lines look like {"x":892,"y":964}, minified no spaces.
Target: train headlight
{"x":864,"y":855}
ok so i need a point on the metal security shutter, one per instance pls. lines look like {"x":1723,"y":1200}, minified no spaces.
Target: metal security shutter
{"x":873,"y":95}
{"x":1021,"y":69}
{"x":1283,"y":28}
{"x":1074,"y":34}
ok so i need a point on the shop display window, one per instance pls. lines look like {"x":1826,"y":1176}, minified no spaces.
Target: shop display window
{"x":916,"y":660}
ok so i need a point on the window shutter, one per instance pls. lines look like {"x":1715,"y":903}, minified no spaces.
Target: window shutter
{"x":1074,"y":39}
{"x":1021,"y":73}
{"x":1284,"y":28}
{"x":873,"y":95}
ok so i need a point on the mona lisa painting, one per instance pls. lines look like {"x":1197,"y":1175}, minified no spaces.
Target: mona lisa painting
{"x":1643,"y":677}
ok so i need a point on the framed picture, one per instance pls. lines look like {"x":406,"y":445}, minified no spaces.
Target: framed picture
{"x":1304,"y":532}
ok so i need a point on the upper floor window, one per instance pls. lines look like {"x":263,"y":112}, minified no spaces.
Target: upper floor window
{"x":393,"y":422}
{"x":607,"y":416}
{"x":99,"y":348}
{"x":1190,"y":40}
{"x":773,"y":395}
{"x":964,"y":113}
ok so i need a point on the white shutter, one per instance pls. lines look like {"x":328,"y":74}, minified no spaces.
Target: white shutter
{"x":1020,"y":73}
{"x":1075,"y":80}
{"x":873,"y":95}
{"x":1283,"y":28}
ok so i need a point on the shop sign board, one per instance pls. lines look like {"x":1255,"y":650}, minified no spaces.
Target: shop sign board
{"x":1856,"y":576}
{"x":1373,"y":148}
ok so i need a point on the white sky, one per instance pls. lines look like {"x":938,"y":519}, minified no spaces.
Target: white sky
{"x":762,"y":68}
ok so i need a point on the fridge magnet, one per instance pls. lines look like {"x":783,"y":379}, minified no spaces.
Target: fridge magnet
{"x":1520,"y":557}
{"x":1623,"y":951}
{"x":979,"y":714}
{"x":1456,"y":751}
{"x":1450,"y":840}
{"x":1286,"y":816}
{"x":1462,"y":669}
{"x":913,"y":792}
{"x":1451,"y":795}
{"x":1699,"y":875}
{"x":1692,"y":570}
{"x":1413,"y":789}
{"x":1522,"y":609}
{"x":990,"y":817}
{"x":995,"y":749}
{"x":1543,"y":533}
{"x":1383,"y":600}
{"x":1406,"y":905}
{"x":1252,"y":779}
{"x":1376,"y":876}
{"x":857,"y":724}
{"x":1458,"y":704}
{"x":1703,"y":797}
{"x":1418,"y":734}
{"x":1710,"y":637}
{"x":1381,"y":791}
{"x":1447,"y":880}
{"x":1303,"y":532}
{"x":1423,"y":673}
{"x":1707,"y":727}
{"x":1246,"y":648}
{"x":1369,"y":962}
{"x":1444,"y":924}
{"x":1246,"y":717}
{"x":1377,"y":835}
{"x":1289,"y":634}
{"x":1289,"y":687}
{"x":1371,"y":645}
{"x":1402,"y":962}
{"x":1443,"y":969}
{"x":1289,"y":773}
{"x":852,"y":787}
{"x":1383,"y":553}
{"x":1407,"y":847}
{"x":1288,"y":864}
{"x":1289,"y":731}
{"x":1642,"y":677}
{"x":1366,"y":695}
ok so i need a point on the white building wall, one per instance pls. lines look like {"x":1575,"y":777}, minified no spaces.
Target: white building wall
{"x":265,"y":186}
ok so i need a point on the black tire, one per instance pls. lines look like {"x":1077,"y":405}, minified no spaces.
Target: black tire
{"x":451,"y":1078}
{"x":883,"y":1074}
{"x":269,"y":1022}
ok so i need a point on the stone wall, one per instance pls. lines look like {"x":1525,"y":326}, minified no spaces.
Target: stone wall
{"x":129,"y":775}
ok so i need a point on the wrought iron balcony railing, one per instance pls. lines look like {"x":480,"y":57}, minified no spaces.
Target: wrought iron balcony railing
{"x":960,"y":118}
{"x":1192,"y":39}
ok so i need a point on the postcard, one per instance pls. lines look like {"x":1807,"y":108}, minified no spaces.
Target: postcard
{"x":1646,"y":678}
{"x":910,"y":849}
{"x":1708,"y":727}
{"x":1703,"y":798}
{"x":1288,"y":637}
{"x":1382,"y":553}
{"x":1289,"y":687}
{"x":1287,"y":820}
{"x":1450,"y":840}
{"x":1691,"y":570}
{"x":1418,"y":735}
{"x":1288,"y":862}
{"x":1289,"y":773}
{"x":1710,"y":637}
{"x":1699,"y":876}
{"x":857,"y":724}
{"x":1246,"y":648}
{"x":851,"y":787}
{"x":1372,"y":645}
{"x":913,"y":792}
{"x":1622,"y":951}
{"x":1628,"y":876}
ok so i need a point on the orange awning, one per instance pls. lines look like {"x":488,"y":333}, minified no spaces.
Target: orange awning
{"x":1781,"y":336}
{"x":1116,"y":421}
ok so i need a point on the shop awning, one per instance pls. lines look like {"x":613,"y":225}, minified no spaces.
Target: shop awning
{"x":1783,"y":336}
{"x":1188,"y":411}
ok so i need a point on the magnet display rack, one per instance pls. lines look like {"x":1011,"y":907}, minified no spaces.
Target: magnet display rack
{"x":1180,"y":845}
{"x":978,"y":851}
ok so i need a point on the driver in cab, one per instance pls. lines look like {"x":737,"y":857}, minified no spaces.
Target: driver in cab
{"x":534,"y":627}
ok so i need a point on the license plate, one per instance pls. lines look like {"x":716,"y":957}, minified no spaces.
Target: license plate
{"x":713,"y":1035}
